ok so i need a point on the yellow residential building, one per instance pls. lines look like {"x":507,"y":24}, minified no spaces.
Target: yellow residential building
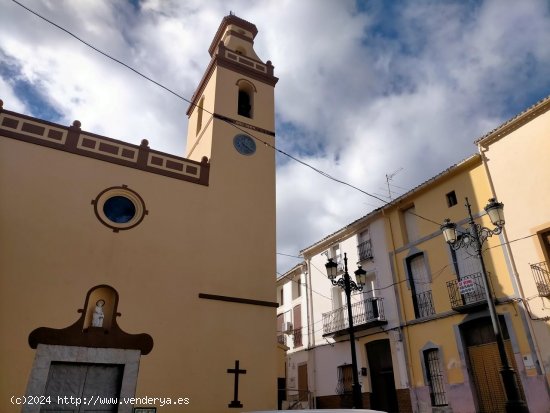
{"x":451,"y":350}
{"x":424,"y":334}
{"x":516,"y":157}
{"x":144,"y":276}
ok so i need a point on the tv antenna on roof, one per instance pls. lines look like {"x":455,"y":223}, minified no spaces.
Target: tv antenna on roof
{"x":389,"y":177}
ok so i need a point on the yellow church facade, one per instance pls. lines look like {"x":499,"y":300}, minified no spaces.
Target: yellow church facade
{"x":131,"y":273}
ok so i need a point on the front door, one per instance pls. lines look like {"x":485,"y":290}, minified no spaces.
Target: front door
{"x":83,"y":387}
{"x":384,"y":395}
{"x":485,"y":364}
{"x":302,"y":382}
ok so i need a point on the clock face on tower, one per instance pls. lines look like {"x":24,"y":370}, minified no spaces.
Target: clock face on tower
{"x":244,"y":144}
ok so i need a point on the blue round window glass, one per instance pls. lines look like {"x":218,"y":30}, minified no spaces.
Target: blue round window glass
{"x":119,"y":209}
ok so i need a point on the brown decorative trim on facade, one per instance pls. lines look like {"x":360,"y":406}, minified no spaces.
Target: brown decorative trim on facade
{"x":248,"y":82}
{"x":238,"y":300}
{"x":253,"y":68}
{"x":202,"y":85}
{"x":243,"y":124}
{"x":340,"y":401}
{"x":404,"y":400}
{"x":262,"y":72}
{"x":80,"y":335}
{"x":72,"y":139}
{"x":240,"y":36}
{"x":227,"y":20}
{"x":247,"y":60}
{"x":133,"y":196}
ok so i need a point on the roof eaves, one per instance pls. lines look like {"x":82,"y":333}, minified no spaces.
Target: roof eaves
{"x":433,"y":179}
{"x":290,"y":272}
{"x":339,"y":233}
{"x":512,"y":124}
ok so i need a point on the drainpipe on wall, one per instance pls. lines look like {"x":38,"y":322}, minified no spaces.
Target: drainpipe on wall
{"x":405,"y":341}
{"x":515,"y":276}
{"x":311,"y":332}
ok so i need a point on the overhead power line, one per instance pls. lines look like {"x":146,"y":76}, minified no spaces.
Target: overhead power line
{"x":191,"y":103}
{"x":290,"y":255}
{"x":319,"y":171}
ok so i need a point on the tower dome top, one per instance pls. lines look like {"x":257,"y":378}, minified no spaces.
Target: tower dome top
{"x":236,"y":25}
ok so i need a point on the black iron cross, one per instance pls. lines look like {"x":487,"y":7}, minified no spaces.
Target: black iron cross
{"x":235,"y":402}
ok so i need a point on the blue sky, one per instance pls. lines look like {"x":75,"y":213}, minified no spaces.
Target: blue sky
{"x":366,"y":87}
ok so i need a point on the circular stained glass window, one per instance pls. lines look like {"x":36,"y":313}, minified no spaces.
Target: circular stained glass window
{"x":119,"y":208}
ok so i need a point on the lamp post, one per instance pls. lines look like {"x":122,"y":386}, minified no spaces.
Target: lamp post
{"x":348,"y":285}
{"x":473,"y":240}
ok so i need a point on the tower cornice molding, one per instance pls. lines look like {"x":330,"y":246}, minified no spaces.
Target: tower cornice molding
{"x":227,"y":20}
{"x":244,"y":124}
{"x":243,"y":65}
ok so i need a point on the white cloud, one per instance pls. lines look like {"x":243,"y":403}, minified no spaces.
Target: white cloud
{"x":361,"y":94}
{"x":8,"y":95}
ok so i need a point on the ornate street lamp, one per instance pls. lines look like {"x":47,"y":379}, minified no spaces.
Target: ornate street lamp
{"x":472,"y":242}
{"x":348,"y":285}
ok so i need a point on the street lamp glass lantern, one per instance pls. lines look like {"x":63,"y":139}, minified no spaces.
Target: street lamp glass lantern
{"x":361,"y":276}
{"x":495,"y":210}
{"x":449,"y":231}
{"x":332,"y":269}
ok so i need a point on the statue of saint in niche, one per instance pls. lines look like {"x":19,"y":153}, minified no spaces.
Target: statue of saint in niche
{"x":97,"y":316}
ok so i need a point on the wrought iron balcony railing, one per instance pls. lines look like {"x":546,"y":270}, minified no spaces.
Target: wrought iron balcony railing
{"x":542,"y":278}
{"x":365,"y":250}
{"x":467,"y":292}
{"x":297,"y":334}
{"x":366,"y":314}
{"x":423,"y":304}
{"x":296,"y":399}
{"x":281,"y":339}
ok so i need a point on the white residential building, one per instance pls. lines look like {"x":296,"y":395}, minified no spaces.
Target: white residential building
{"x":319,"y":355}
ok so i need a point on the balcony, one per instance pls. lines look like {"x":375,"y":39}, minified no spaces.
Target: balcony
{"x":423,"y":304}
{"x":467,"y":293}
{"x":366,"y":314}
{"x":542,"y":278}
{"x":364,"y":250}
{"x":297,"y":335}
{"x":281,"y":339}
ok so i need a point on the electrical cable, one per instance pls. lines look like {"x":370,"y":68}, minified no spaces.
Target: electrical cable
{"x":326,"y":175}
{"x":289,"y":255}
{"x":509,"y":242}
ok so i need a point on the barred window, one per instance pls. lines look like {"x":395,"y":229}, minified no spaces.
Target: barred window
{"x":435,"y":377}
{"x":345,"y":379}
{"x":364,"y":246}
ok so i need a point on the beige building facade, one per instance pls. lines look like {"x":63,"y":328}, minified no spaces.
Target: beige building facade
{"x":132,"y":273}
{"x":515,"y":156}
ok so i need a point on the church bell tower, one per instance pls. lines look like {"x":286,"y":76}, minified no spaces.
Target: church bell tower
{"x":232,"y":123}
{"x":234,"y":101}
